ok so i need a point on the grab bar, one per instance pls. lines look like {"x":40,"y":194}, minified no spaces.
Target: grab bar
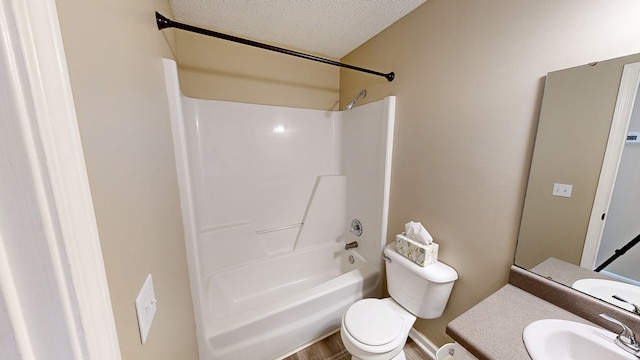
{"x":286,"y":227}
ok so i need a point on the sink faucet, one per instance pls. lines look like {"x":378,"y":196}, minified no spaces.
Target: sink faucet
{"x":351,"y":245}
{"x":636,"y":308}
{"x":626,"y":339}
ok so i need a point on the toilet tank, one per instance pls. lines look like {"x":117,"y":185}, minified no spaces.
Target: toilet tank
{"x":422,"y":290}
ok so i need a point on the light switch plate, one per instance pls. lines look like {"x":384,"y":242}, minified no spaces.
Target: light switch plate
{"x":146,"y":308}
{"x":563,"y":190}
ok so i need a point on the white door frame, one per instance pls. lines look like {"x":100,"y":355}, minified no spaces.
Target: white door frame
{"x":53,"y":286}
{"x":613,"y":154}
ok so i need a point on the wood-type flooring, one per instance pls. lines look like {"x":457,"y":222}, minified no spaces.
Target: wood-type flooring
{"x":331,"y":348}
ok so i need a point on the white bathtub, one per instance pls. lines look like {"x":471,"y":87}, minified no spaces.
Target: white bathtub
{"x":266,"y":217}
{"x":266,"y":309}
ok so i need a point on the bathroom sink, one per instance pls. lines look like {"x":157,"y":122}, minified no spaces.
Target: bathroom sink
{"x":606,"y":289}
{"x":567,"y":340}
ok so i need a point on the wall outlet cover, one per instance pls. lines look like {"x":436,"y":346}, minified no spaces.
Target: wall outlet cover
{"x":146,"y":308}
{"x":563,"y":190}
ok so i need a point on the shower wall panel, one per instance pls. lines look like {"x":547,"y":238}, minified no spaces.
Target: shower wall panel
{"x":257,"y":166}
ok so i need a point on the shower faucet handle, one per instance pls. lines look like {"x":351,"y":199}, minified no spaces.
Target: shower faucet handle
{"x":351,"y":245}
{"x":356,"y":227}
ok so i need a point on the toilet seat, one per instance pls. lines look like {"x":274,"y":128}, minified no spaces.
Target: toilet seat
{"x":374,"y":326}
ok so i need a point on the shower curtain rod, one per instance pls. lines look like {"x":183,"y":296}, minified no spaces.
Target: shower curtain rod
{"x":164,"y":23}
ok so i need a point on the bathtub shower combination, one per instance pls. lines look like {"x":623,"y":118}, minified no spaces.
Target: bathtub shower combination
{"x":268,"y":195}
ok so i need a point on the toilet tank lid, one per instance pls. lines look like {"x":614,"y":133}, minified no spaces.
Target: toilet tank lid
{"x":437,"y":272}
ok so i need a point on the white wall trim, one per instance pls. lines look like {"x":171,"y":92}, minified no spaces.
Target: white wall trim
{"x":423,"y":342}
{"x":432,"y":349}
{"x":35,"y":57}
{"x":174,"y":96}
{"x":613,"y":154}
{"x":20,"y":343}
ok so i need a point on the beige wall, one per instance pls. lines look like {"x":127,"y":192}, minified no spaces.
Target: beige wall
{"x":469,"y":84}
{"x":211,"y":68}
{"x":113,"y":51}
{"x":573,"y":130}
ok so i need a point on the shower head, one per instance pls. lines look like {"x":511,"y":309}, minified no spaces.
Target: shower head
{"x":362,"y":94}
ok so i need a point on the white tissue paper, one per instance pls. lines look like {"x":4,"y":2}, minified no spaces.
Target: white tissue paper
{"x":417,"y":232}
{"x":417,"y":245}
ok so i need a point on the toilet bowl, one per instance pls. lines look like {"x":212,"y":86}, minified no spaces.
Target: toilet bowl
{"x":377,"y":329}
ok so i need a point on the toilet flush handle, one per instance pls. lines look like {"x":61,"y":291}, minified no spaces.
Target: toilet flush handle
{"x":386,"y":258}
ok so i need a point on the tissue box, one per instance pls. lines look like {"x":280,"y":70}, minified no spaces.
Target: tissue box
{"x":420,"y":254}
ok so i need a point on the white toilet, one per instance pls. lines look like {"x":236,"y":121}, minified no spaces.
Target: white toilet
{"x":377,"y":329}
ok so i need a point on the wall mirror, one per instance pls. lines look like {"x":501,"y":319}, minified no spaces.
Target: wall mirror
{"x":582,"y":204}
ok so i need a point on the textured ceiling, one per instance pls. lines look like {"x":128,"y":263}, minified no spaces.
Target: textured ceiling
{"x":328,"y":27}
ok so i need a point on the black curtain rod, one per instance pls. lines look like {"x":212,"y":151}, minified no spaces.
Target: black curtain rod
{"x":164,"y":23}
{"x":619,"y":252}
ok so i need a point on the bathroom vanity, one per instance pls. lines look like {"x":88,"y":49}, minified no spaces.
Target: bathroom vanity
{"x":492,"y":330}
{"x":585,"y":116}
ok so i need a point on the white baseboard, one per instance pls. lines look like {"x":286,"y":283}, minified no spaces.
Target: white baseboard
{"x":423,"y":342}
{"x":430,"y":348}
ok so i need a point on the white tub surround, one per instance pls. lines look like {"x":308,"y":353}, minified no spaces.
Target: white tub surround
{"x":278,"y":309}
{"x":267,"y":196}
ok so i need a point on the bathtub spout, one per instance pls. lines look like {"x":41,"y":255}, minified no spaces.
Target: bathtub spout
{"x":351,"y":245}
